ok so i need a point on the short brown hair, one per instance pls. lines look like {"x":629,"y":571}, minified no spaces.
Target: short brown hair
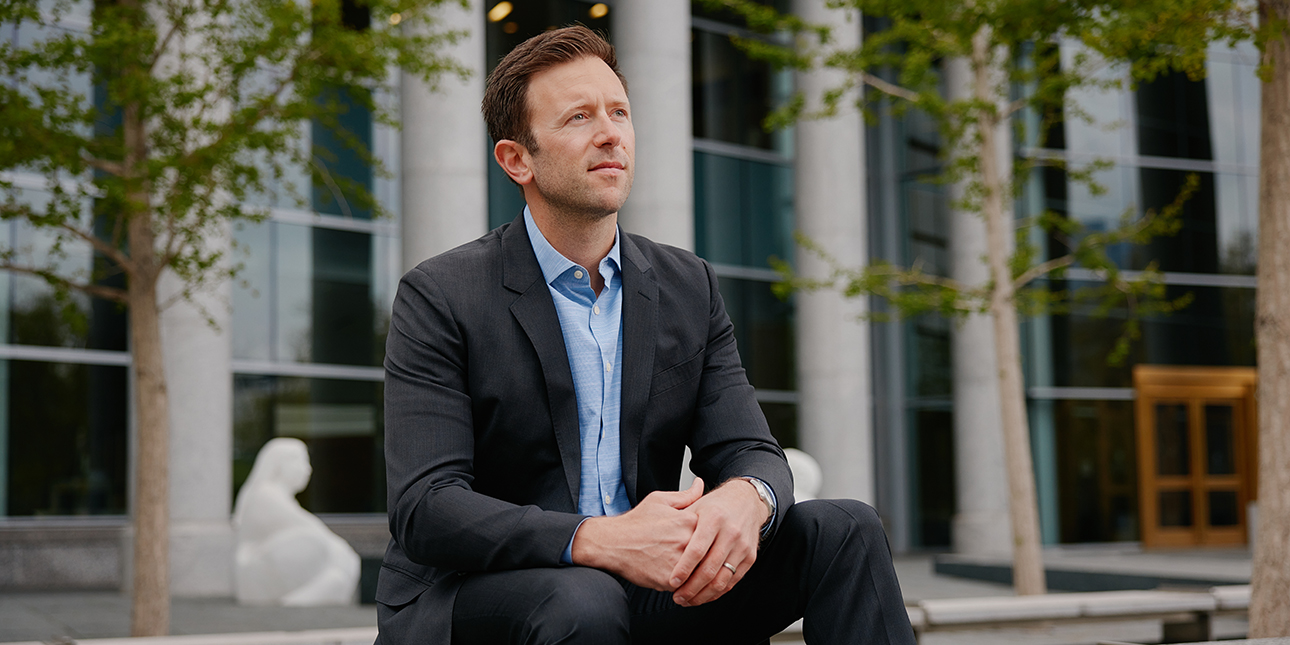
{"x":506,"y":110}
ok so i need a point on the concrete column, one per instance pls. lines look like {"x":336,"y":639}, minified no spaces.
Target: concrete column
{"x":199,"y":382}
{"x":653,"y":42}
{"x":835,"y":410}
{"x":981,"y":524}
{"x":444,"y":145}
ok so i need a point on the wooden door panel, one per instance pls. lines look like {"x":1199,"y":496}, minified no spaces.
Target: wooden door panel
{"x":1195,"y":433}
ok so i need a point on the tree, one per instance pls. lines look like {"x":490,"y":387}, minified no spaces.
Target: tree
{"x":1269,"y":611}
{"x":196,"y":107}
{"x":1008,"y":56}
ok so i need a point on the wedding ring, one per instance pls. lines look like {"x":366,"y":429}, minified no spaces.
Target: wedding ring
{"x":729,"y":566}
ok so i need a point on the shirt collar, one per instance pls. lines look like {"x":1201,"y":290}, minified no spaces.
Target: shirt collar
{"x":553,"y":263}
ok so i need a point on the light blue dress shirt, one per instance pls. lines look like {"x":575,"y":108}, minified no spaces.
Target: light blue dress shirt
{"x":592,"y":328}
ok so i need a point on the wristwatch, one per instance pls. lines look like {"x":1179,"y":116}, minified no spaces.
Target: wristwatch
{"x":767,"y":498}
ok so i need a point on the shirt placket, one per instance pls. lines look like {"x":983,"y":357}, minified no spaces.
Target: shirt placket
{"x":604,"y":449}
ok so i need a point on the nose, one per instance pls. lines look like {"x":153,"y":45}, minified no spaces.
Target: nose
{"x":608,"y":133}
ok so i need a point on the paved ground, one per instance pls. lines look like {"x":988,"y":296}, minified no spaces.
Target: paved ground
{"x":81,"y":615}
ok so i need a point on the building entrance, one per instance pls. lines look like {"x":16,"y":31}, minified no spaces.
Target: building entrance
{"x":1196,"y":454}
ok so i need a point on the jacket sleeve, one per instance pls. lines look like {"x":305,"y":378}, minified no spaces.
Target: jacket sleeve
{"x":435,"y":516}
{"x":730,"y":437}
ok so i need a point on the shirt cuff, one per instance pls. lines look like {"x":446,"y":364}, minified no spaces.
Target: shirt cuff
{"x":567,"y":556}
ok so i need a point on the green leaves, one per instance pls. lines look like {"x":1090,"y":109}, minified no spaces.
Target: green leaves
{"x":217,"y":94}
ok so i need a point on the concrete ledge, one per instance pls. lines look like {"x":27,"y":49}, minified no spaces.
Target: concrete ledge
{"x":54,"y":554}
{"x":1073,"y":579}
{"x":347,"y":636}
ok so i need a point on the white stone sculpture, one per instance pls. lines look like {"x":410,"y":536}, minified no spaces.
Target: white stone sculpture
{"x":807,"y":475}
{"x":284,"y":554}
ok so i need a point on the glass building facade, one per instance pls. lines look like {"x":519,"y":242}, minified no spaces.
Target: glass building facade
{"x":310,"y":308}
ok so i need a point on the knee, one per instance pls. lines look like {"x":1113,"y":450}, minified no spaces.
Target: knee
{"x":841,"y":518}
{"x":589,"y":606}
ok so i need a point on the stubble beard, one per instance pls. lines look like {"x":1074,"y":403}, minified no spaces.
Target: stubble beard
{"x":577,"y":202}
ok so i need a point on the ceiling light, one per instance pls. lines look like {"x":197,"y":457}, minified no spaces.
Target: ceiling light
{"x":499,"y":11}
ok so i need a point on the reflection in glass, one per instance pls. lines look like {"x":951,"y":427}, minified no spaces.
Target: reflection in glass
{"x":763,"y":332}
{"x":1223,"y":508}
{"x":253,"y":291}
{"x":342,"y":168}
{"x":1217,"y":328}
{"x":743,"y":210}
{"x":1173,"y":453}
{"x":1195,"y":248}
{"x":340,"y":422}
{"x":932,"y":445}
{"x":67,"y":439}
{"x":732,"y":95}
{"x":1173,"y":118}
{"x":1096,"y":471}
{"x":1175,"y":508}
{"x":1220,"y":439}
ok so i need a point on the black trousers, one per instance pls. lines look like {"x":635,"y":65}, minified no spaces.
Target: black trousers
{"x":829,"y":563}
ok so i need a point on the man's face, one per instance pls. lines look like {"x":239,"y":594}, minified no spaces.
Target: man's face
{"x":582,"y":124}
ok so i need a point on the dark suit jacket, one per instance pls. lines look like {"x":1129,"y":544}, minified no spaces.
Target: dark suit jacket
{"x":481,"y":425}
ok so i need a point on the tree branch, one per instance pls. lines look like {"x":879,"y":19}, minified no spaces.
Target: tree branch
{"x":890,"y":89}
{"x":113,"y":253}
{"x":1042,"y":269}
{"x":96,"y":290}
{"x":110,"y":167}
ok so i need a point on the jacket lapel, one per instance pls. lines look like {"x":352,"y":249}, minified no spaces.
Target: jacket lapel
{"x":535,"y":312}
{"x":640,"y":328}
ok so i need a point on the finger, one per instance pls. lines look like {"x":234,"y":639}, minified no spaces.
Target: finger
{"x":725,"y":580}
{"x":698,"y":547}
{"x":683,"y":499}
{"x":709,"y":573}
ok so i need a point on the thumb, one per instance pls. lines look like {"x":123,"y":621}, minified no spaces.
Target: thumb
{"x":684,"y":498}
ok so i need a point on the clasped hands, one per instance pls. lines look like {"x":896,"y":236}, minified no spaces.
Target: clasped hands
{"x":679,"y":541}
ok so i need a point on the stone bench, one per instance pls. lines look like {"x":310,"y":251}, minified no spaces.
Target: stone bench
{"x":1186,"y":616}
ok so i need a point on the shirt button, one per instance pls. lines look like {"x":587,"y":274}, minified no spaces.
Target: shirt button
{"x":608,"y":500}
{"x":596,"y":309}
{"x":608,"y":367}
{"x":577,"y":274}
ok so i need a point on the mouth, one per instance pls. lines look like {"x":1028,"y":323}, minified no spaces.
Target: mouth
{"x":610,"y":166}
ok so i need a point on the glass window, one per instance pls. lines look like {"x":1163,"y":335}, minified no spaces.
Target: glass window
{"x":782,"y":419}
{"x":1097,"y":470}
{"x":732,"y":95}
{"x":1108,"y":135}
{"x":1173,"y":118}
{"x":933,"y":488}
{"x":1217,"y":328}
{"x":342,"y":171}
{"x":253,"y":291}
{"x":35,"y":313}
{"x":66,"y":445}
{"x":743,"y":210}
{"x":763,"y":331}
{"x":339,"y":421}
{"x":312,"y":294}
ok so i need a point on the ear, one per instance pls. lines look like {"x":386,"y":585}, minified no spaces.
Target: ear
{"x":515,"y":160}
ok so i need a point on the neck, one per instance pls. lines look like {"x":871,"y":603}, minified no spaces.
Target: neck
{"x":585,"y":241}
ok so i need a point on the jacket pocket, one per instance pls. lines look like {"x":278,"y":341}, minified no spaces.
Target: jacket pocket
{"x":395,"y":588}
{"x":683,"y":372}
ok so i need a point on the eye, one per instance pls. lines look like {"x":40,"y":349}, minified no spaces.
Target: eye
{"x":620,"y":112}
{"x":578,"y":117}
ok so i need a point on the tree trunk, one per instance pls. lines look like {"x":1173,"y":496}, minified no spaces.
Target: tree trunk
{"x":1027,"y":563}
{"x":150,"y":614}
{"x":1269,"y":607}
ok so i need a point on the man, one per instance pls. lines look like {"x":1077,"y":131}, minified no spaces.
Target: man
{"x":542,"y":384}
